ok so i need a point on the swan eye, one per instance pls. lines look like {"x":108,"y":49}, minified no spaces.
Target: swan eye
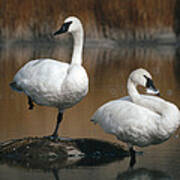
{"x":64,"y":28}
{"x":149,"y":82}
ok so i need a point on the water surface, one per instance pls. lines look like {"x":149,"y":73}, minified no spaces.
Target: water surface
{"x":108,"y":70}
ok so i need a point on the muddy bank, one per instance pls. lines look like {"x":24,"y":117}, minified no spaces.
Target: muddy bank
{"x":117,"y":20}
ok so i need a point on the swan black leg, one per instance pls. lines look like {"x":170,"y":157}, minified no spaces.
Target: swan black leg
{"x":59,"y":119}
{"x":133,"y":157}
{"x":30,"y":102}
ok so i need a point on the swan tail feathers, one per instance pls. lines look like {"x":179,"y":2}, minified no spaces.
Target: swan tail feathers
{"x":15,"y":87}
{"x":94,"y":121}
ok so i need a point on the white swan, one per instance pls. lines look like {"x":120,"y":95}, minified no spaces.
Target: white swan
{"x":52,"y":83}
{"x":136,"y":119}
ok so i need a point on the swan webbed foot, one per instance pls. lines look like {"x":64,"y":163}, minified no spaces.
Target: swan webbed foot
{"x":57,"y":138}
{"x":52,"y":137}
{"x":30,"y":102}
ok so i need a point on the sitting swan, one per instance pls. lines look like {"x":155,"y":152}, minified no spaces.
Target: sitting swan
{"x":52,"y":83}
{"x":136,"y":119}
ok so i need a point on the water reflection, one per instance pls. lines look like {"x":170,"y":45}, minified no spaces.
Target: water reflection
{"x":108,"y":69}
{"x":116,"y":171}
{"x":143,"y":173}
{"x":130,"y":174}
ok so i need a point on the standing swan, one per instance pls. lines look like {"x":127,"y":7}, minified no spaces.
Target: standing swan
{"x":52,"y":83}
{"x":136,"y":119}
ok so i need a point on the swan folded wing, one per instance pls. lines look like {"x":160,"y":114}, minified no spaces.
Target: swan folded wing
{"x":75,"y":85}
{"x":41,"y":79}
{"x":128,"y":121}
{"x":170,"y":113}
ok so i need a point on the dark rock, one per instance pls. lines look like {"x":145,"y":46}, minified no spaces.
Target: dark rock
{"x":44,"y":153}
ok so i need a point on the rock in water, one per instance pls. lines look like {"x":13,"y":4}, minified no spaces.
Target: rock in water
{"x":43,"y":153}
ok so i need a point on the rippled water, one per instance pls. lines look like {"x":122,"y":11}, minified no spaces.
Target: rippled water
{"x":108,"y":69}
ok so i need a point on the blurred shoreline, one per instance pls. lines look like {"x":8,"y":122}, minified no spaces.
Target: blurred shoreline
{"x":115,"y":22}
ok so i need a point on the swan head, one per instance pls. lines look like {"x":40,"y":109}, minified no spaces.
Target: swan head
{"x":71,"y":24}
{"x":143,"y":78}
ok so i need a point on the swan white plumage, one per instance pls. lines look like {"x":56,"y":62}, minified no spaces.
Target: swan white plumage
{"x":136,"y":119}
{"x":52,"y":83}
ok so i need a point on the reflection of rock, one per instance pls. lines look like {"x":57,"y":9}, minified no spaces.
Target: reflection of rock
{"x":143,"y":174}
{"x":42,"y":153}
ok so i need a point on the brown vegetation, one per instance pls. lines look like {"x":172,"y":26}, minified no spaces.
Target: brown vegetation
{"x":116,"y":20}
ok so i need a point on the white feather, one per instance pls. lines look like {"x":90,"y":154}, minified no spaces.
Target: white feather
{"x":140,"y":120}
{"x":52,"y":83}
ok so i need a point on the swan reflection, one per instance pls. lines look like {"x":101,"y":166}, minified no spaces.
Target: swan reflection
{"x":144,"y":174}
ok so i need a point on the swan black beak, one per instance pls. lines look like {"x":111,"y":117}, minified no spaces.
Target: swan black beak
{"x":64,"y":28}
{"x":154,"y":91}
{"x":151,"y":89}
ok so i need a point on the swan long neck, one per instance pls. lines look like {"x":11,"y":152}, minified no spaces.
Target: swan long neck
{"x":132,"y":91}
{"x":78,"y":38}
{"x":155,"y":106}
